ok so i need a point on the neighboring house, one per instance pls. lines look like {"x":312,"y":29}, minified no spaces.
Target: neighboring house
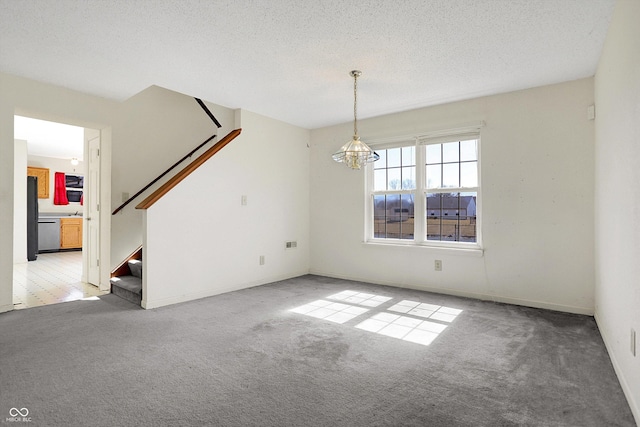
{"x":394,"y":209}
{"x":448,"y":205}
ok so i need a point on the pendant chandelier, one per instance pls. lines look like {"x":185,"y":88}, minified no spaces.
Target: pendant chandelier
{"x":355,"y":153}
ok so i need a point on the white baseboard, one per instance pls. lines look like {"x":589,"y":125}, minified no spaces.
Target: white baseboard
{"x":635,"y":407}
{"x":5,"y":308}
{"x":161,"y":302}
{"x":459,"y":293}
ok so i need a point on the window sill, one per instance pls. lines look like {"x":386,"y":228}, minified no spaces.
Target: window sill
{"x":462,"y":249}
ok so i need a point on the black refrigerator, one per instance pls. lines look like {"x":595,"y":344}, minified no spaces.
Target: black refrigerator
{"x":32,"y":218}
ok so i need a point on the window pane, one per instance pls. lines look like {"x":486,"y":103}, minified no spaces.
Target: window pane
{"x":393,"y":201}
{"x":434,"y":205}
{"x":393,"y":157}
{"x":394,"y":179}
{"x":409,"y":178}
{"x":433,"y":216}
{"x":406,"y":216}
{"x":393,"y":216}
{"x":468,"y":228}
{"x":433,"y":154}
{"x":379,"y":216}
{"x":450,"y":152}
{"x":379,"y":179}
{"x":450,"y":206}
{"x":469,"y":174}
{"x":452,"y":217}
{"x":408,"y":156}
{"x":451,"y":175}
{"x":468,"y":150}
{"x":394,"y":208}
{"x":434,"y":176}
{"x":468,"y":206}
{"x":382,"y":161}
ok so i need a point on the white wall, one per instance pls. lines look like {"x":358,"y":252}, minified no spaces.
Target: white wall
{"x":153,"y":130}
{"x":6,"y":202}
{"x":537,"y":201}
{"x":56,"y":165}
{"x":141,"y":137}
{"x":20,"y":202}
{"x":617,"y":190}
{"x":202,"y":241}
{"x":33,"y":99}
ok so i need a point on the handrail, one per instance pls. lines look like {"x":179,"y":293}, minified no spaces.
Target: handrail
{"x":209,"y":113}
{"x":172,"y":182}
{"x":130,"y":199}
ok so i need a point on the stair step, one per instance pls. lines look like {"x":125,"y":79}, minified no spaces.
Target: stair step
{"x":135,"y":266}
{"x":127,"y":287}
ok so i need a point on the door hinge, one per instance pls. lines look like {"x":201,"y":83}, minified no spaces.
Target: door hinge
{"x":97,"y":263}
{"x":98,"y":152}
{"x":98,"y":207}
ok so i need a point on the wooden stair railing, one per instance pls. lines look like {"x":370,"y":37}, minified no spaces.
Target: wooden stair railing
{"x":213,"y":119}
{"x":132,"y":198}
{"x":172,"y":182}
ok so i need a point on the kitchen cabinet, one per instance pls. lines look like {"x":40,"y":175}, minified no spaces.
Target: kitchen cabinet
{"x":43,"y":180}
{"x":70,"y":233}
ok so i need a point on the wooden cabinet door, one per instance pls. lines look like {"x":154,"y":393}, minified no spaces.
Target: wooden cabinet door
{"x":70,"y":233}
{"x":43,"y":180}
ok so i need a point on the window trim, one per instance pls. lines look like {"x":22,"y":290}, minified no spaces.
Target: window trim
{"x":420,"y":142}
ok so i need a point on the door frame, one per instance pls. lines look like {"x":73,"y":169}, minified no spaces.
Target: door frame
{"x":91,"y":256}
{"x":104,"y":218}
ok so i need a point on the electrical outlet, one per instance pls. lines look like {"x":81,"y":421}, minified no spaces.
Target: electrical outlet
{"x":261,"y":259}
{"x":633,"y":342}
{"x":438,"y":265}
{"x":243,"y":200}
{"x":291,"y":245}
{"x":125,"y":196}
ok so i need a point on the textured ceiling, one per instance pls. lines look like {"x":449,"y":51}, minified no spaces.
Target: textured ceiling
{"x":290,"y":59}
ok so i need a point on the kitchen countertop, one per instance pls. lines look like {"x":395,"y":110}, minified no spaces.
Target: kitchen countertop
{"x":45,"y":215}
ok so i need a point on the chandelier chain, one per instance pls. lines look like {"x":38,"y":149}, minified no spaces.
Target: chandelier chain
{"x":355,"y":104}
{"x":355,"y":153}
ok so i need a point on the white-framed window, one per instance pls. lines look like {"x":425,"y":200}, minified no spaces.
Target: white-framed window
{"x":426,"y":191}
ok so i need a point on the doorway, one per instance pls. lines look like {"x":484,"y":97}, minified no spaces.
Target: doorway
{"x":67,"y":159}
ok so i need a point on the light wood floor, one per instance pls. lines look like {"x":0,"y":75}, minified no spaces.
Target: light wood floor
{"x":52,"y":278}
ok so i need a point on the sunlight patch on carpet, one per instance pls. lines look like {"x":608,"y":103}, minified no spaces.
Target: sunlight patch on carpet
{"x":403,"y":327}
{"x":329,"y":310}
{"x":429,"y":311}
{"x":360,"y":298}
{"x":417,"y":322}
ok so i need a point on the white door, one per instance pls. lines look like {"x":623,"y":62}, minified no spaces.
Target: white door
{"x":92,"y":201}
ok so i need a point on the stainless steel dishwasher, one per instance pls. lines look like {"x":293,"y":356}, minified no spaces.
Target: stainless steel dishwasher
{"x":48,"y":234}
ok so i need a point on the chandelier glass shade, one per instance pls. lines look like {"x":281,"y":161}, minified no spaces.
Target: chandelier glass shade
{"x":355,"y":153}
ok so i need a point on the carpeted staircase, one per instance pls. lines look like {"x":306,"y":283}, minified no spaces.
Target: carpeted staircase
{"x":129,"y":286}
